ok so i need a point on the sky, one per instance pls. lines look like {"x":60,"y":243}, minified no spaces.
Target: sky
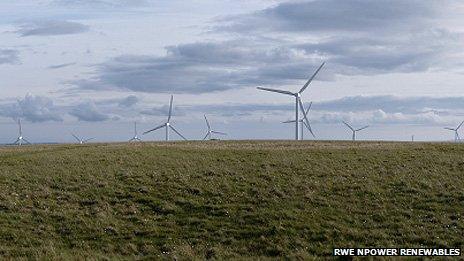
{"x":94,"y":67}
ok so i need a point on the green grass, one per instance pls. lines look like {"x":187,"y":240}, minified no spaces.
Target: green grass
{"x":228,"y":199}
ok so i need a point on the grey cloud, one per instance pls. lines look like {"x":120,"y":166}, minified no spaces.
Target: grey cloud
{"x":47,"y":28}
{"x":100,"y":3}
{"x":129,"y":101}
{"x":392,"y":104}
{"x":202,"y":67}
{"x":164,"y":111}
{"x":59,"y":66}
{"x":88,"y":111}
{"x":33,"y":108}
{"x":8,"y":56}
{"x":335,"y":15}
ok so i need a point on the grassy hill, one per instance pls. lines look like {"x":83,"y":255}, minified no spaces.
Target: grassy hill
{"x":228,"y":199}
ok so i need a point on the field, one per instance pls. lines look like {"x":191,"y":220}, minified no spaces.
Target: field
{"x":244,"y":200}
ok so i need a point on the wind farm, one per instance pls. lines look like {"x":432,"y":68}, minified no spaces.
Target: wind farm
{"x":231,"y":130}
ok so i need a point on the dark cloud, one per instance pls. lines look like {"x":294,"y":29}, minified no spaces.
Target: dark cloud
{"x":334,"y":15}
{"x":33,"y":108}
{"x":201,"y":68}
{"x":9,"y":56}
{"x":88,"y":111}
{"x":129,"y":101}
{"x":47,"y":28}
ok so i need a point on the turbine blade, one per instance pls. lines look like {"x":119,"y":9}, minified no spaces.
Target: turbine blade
{"x":27,"y":141}
{"x":77,"y":138}
{"x":451,"y":129}
{"x":459,"y":125}
{"x":348,"y":126}
{"x":303,"y":110}
{"x":20,"y":127}
{"x":207,"y":123}
{"x":206,"y":136}
{"x":218,"y":132}
{"x":365,"y":127}
{"x":292,"y":121}
{"x":308,"y":126}
{"x":312,"y":78}
{"x":278,"y":91}
{"x":309,"y":108}
{"x":88,"y":139}
{"x":170,"y":108}
{"x":178,"y":133}
{"x":157,"y":128}
{"x":16,"y":142}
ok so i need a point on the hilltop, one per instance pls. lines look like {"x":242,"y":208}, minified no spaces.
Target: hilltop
{"x":244,"y":199}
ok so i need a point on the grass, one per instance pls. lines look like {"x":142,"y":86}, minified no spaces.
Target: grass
{"x":243,"y":200}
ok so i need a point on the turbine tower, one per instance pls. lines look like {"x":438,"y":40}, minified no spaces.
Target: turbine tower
{"x":304,"y":122}
{"x":210,"y":132}
{"x":297,"y":95}
{"x":21,"y":140}
{"x":81,"y":140}
{"x":136,"y":136}
{"x":456,"y":133}
{"x":355,"y":130}
{"x":167,"y":124}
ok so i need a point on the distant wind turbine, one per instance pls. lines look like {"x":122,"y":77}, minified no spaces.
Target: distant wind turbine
{"x":297,"y":95}
{"x":20,"y":140}
{"x":456,"y":133}
{"x":355,"y":130}
{"x":136,"y":137}
{"x":167,"y":124}
{"x":210,"y":132}
{"x":81,"y":140}
{"x":304,"y":122}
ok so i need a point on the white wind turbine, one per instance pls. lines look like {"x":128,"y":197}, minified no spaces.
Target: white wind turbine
{"x":456,"y":133}
{"x":81,"y":140}
{"x":355,"y":130}
{"x":20,"y":140}
{"x":210,"y":132}
{"x":167,"y":124}
{"x":297,"y":96}
{"x":304,"y":122}
{"x":136,"y":136}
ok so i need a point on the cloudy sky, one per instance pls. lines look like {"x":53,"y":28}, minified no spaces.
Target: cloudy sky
{"x":93,"y":67}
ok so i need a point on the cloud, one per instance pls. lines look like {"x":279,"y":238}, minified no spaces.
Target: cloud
{"x":88,"y":111}
{"x":9,"y":56}
{"x":48,"y":28}
{"x":100,"y":3}
{"x":59,"y":66}
{"x":202,"y":68}
{"x":336,"y":16}
{"x":33,"y":108}
{"x":129,"y":101}
{"x":392,"y":104}
{"x":283,"y":45}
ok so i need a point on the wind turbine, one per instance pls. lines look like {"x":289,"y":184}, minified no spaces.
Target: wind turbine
{"x":456,"y":134}
{"x":80,"y":140}
{"x":210,"y":131}
{"x":297,"y":95}
{"x":136,"y":137}
{"x":167,"y":124}
{"x":304,"y":122}
{"x":20,"y":140}
{"x":354,"y":130}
